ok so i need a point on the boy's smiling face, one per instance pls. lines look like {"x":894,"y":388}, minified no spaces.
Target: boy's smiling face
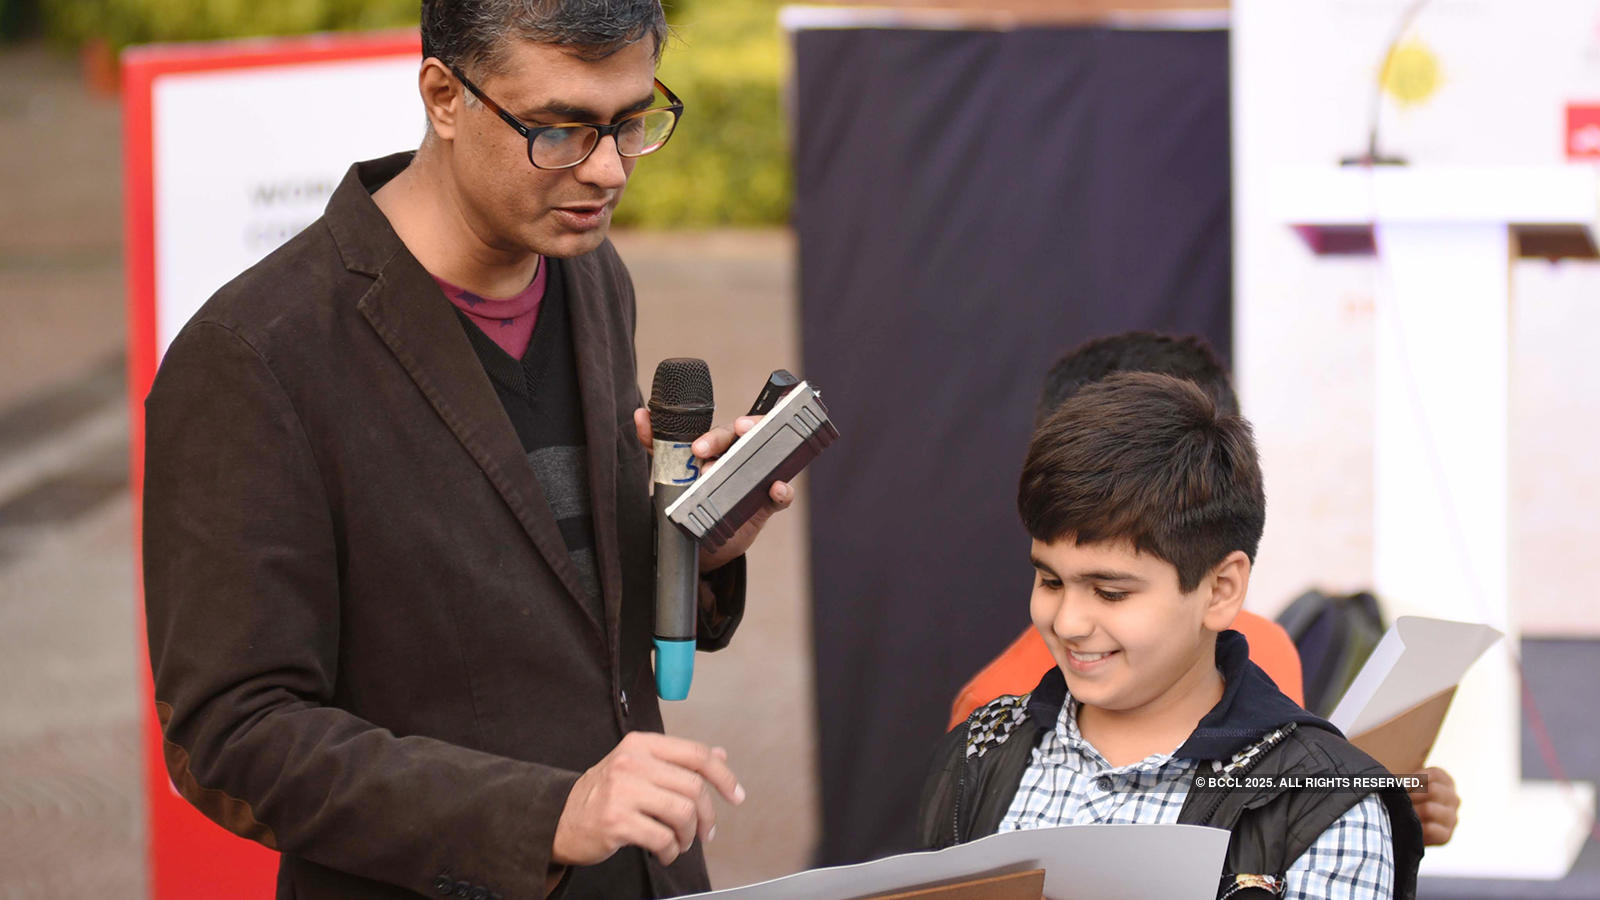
{"x":1125,"y":636}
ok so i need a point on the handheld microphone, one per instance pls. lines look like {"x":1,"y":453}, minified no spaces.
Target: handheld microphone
{"x":681,"y":409}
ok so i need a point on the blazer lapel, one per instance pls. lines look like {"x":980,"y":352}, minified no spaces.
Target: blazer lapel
{"x":416,"y":321}
{"x":586,"y":301}
{"x":412,"y":316}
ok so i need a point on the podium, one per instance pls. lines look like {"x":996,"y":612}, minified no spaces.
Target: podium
{"x":1445,"y":238}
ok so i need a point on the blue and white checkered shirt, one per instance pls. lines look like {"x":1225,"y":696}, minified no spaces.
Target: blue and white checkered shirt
{"x":1068,"y":782}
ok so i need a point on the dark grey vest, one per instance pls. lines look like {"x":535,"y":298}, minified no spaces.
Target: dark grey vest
{"x":968,"y":793}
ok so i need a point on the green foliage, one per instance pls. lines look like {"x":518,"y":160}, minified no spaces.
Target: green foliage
{"x":123,"y":22}
{"x":728,"y":162}
{"x":17,"y":18}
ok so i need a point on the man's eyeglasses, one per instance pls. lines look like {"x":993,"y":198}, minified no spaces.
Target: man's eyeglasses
{"x":566,"y":145}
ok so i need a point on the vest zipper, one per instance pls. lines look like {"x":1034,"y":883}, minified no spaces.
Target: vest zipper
{"x":961,"y":789}
{"x":1243,"y":766}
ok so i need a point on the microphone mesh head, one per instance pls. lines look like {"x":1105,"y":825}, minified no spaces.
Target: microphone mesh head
{"x":681,"y":404}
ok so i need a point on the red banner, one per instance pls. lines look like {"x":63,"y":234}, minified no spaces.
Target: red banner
{"x":191,"y":857}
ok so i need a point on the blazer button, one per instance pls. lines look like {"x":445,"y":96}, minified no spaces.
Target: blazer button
{"x":480,"y":893}
{"x":622,"y":699}
{"x":444,"y":885}
{"x":463,"y":889}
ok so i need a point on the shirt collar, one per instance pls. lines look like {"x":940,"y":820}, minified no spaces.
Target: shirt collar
{"x":1251,"y":705}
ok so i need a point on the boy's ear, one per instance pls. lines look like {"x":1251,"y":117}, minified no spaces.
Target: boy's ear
{"x":441,"y":97}
{"x":1230,"y":580}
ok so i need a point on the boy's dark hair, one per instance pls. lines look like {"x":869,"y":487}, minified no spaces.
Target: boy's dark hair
{"x":474,"y":33}
{"x":1148,"y":459}
{"x":1187,"y":357}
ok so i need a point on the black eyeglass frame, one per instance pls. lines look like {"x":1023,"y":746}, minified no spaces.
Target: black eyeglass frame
{"x":531,"y":132}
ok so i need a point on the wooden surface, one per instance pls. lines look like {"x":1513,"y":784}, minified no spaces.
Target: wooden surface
{"x":1019,"y":886}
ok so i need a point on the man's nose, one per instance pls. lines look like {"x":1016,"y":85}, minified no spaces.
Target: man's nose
{"x":604,"y":168}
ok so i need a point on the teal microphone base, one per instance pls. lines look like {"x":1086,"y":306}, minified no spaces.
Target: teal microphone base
{"x":674,"y":667}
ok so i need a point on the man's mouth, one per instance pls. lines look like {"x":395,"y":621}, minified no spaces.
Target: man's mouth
{"x":582,"y":217}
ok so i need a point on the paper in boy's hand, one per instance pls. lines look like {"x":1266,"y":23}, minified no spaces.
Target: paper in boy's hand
{"x":1397,"y":702}
{"x":1080,"y":861}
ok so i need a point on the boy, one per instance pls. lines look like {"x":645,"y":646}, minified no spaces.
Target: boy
{"x":1188,"y":357}
{"x":1145,"y":506}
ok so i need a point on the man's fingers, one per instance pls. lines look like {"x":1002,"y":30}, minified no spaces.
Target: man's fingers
{"x":716,"y":442}
{"x":641,"y":427}
{"x":674,"y":810}
{"x":670,"y":776}
{"x":782,"y":494}
{"x":713,"y":443}
{"x":699,"y":758}
{"x":691,"y":785}
{"x":705,"y":813}
{"x":643,"y":831}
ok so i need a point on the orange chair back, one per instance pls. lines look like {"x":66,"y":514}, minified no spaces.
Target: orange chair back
{"x":1019,"y":668}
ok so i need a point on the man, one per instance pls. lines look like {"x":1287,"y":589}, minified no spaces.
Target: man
{"x":398,"y":537}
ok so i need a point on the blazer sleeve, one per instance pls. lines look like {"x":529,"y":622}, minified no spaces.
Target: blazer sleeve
{"x":241,"y":577}
{"x":725,"y":586}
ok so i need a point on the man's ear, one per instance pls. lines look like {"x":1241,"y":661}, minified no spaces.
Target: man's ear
{"x":442,"y":97}
{"x":1230,"y":581}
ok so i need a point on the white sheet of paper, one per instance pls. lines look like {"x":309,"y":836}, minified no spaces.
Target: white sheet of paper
{"x":1418,"y":658}
{"x":1081,"y":862}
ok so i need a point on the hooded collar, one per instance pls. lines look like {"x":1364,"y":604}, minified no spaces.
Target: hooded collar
{"x":1251,"y":706}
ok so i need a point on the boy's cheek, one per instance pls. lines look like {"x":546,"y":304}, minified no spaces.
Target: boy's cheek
{"x":1042,"y":611}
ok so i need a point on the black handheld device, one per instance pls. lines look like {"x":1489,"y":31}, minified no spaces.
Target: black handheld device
{"x":794,"y":431}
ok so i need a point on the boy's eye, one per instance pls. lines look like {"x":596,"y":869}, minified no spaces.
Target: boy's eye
{"x":1049,"y":584}
{"x":1110,"y":595}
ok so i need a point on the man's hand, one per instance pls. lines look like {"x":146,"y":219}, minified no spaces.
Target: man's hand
{"x":652,"y":791}
{"x":1437,"y":808}
{"x":709,"y":446}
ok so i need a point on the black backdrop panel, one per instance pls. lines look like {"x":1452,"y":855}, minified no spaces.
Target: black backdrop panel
{"x":971,"y":205}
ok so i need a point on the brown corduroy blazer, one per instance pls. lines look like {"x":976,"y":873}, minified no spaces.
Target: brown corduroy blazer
{"x":365,"y":629}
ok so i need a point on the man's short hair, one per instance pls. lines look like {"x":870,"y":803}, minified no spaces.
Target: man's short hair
{"x":1188,"y":357}
{"x":474,"y":33}
{"x":1148,"y":459}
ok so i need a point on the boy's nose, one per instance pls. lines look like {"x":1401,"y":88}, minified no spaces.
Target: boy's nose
{"x":1072,"y":621}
